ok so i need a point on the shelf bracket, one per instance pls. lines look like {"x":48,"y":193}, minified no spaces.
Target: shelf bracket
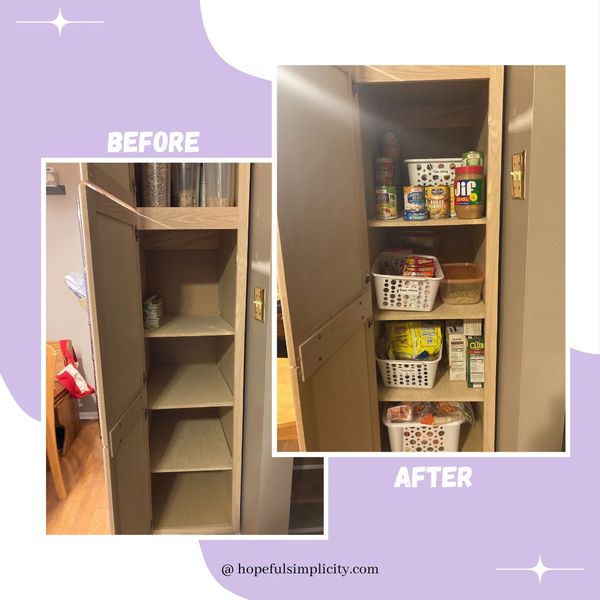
{"x":318,"y":348}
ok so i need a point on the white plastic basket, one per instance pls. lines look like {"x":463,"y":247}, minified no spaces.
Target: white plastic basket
{"x":432,"y":171}
{"x":415,"y":437}
{"x":395,"y":292}
{"x":409,"y":373}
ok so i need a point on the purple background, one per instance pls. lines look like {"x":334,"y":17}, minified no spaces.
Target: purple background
{"x":447,"y":543}
{"x":151,"y":68}
{"x":154,"y":69}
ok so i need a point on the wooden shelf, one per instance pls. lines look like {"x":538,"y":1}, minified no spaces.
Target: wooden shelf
{"x":444,"y":390}
{"x":188,"y":218}
{"x":191,"y":326}
{"x":187,"y":386}
{"x":440,"y":311}
{"x":192,"y":502}
{"x":188,"y":440}
{"x":427,"y":223}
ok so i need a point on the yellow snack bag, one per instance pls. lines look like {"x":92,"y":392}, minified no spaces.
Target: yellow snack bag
{"x":413,"y":340}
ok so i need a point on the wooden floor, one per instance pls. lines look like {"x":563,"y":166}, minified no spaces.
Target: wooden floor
{"x":84,"y":511}
{"x":287,"y":435}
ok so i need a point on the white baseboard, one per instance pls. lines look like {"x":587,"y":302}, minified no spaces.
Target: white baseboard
{"x":88,"y":416}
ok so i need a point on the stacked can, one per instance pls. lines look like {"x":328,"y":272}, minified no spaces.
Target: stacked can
{"x":414,"y":203}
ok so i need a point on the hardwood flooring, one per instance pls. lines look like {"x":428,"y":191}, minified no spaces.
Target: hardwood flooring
{"x":287,"y":434}
{"x":84,"y":511}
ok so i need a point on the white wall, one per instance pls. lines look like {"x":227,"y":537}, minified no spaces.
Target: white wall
{"x":65,"y":318}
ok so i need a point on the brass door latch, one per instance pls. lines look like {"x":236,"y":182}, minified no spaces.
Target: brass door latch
{"x":259,"y":304}
{"x":518,"y":176}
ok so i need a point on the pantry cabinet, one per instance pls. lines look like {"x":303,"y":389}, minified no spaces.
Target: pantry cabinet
{"x":170,"y":399}
{"x":330,"y":121}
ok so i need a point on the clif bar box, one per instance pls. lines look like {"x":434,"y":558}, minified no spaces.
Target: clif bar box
{"x":475,"y":361}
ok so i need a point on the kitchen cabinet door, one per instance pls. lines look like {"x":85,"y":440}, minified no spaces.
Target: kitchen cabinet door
{"x":115,"y":178}
{"x":323,"y":261}
{"x":114,"y":297}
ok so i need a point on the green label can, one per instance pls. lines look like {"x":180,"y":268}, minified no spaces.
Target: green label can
{"x":386,"y":203}
{"x":472,"y":158}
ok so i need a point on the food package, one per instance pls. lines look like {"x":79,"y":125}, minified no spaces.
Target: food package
{"x":400,"y":414}
{"x":475,"y":361}
{"x":456,"y":350}
{"x":153,"y":311}
{"x":413,"y":340}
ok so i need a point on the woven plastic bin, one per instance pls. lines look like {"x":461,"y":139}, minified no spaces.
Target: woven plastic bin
{"x":415,"y":437}
{"x":409,"y":373}
{"x":395,"y":292}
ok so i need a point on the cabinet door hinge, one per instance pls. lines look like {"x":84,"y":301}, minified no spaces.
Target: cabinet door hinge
{"x":354,"y":88}
{"x":145,"y":377}
{"x":137,"y":235}
{"x":369,"y":323}
{"x":367,"y":278}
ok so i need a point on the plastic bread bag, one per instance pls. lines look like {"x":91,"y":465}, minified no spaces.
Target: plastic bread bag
{"x":450,"y":412}
{"x":400,"y":414}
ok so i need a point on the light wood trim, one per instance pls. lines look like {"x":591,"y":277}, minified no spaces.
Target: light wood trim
{"x":492,"y":247}
{"x":243,"y":201}
{"x":400,"y":222}
{"x":440,"y":311}
{"x":188,"y":218}
{"x":396,"y":73}
{"x":317,"y":349}
{"x":180,"y":240}
{"x":111,"y":206}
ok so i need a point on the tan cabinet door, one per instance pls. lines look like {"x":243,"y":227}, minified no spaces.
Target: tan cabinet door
{"x":114,"y":296}
{"x":115,"y":178}
{"x":323,"y":261}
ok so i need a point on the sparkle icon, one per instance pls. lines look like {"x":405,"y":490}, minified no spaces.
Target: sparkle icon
{"x":60,"y":22}
{"x":540,"y":569}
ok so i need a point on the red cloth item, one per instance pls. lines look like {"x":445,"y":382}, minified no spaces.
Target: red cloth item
{"x":70,"y":377}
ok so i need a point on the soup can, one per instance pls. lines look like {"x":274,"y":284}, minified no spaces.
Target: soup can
{"x":414,"y":200}
{"x":386,"y":205}
{"x":437,"y":199}
{"x":384,"y":172}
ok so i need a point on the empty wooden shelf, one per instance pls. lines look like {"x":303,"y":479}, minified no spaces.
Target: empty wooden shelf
{"x":188,"y":440}
{"x":440,"y":311}
{"x":191,"y":326}
{"x":428,"y":223}
{"x":187,"y":386}
{"x":192,"y":502}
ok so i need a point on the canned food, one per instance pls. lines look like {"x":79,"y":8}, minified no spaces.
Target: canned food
{"x":386,"y":206}
{"x":413,"y":198}
{"x":384,"y":171}
{"x":472,"y":158}
{"x":437,"y":200}
{"x":416,"y":215}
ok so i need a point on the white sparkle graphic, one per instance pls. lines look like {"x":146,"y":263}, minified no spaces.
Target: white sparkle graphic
{"x":540,"y":569}
{"x":60,"y":22}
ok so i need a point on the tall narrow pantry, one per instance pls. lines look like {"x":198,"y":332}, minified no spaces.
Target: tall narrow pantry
{"x":170,"y":397}
{"x":335,"y":117}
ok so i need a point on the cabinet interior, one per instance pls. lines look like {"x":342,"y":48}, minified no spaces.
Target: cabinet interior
{"x":191,"y":377}
{"x":432,"y":119}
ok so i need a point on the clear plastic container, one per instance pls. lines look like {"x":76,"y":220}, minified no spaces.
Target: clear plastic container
{"x":219,"y":179}
{"x":156,"y":184}
{"x":185,"y":178}
{"x":461,"y":284}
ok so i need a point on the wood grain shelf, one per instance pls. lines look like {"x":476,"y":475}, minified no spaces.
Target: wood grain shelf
{"x":452,"y":222}
{"x":188,"y":440}
{"x":440,"y":311}
{"x":192,"y":503}
{"x":187,"y":386}
{"x":187,"y":218}
{"x":444,"y":390}
{"x":191,"y":326}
